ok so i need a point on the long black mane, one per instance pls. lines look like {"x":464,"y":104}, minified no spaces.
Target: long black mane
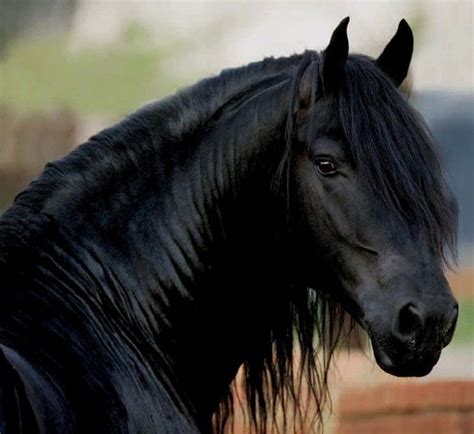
{"x":156,"y":145}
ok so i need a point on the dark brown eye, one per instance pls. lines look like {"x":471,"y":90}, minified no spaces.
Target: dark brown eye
{"x":326,"y":167}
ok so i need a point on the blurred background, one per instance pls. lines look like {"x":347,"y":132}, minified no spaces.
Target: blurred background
{"x":69,"y":68}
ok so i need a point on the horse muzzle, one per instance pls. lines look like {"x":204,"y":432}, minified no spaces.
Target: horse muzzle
{"x":412,"y":345}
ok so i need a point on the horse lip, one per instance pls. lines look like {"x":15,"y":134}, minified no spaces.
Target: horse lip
{"x":420,"y":369}
{"x":409,"y":371}
{"x":385,"y":362}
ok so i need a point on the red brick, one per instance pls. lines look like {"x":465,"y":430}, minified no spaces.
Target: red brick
{"x":429,"y":423}
{"x":408,"y":397}
{"x":467,"y":423}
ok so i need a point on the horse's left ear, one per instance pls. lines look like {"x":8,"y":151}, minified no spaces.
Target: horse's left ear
{"x":395,"y":58}
{"x":334,"y":57}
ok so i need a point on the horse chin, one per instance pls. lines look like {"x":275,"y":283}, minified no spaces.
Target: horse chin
{"x":406,"y":364}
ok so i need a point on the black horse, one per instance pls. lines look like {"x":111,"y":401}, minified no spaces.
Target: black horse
{"x":224,"y":226}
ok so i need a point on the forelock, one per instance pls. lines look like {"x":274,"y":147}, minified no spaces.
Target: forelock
{"x":394,"y":151}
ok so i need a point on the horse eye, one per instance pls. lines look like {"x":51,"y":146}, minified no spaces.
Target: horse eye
{"x":326,"y":167}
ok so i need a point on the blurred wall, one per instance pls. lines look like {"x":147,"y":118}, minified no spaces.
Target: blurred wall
{"x":246,"y":31}
{"x":29,"y":17}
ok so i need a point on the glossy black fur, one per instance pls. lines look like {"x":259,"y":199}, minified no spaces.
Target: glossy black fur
{"x":142,"y":270}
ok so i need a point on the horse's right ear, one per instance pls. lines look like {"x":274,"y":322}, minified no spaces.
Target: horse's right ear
{"x":334,"y":57}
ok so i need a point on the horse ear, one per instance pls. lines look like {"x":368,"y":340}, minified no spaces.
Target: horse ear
{"x":395,"y":58}
{"x":335,"y":56}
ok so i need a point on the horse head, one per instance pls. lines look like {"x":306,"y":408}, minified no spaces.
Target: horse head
{"x":368,"y":199}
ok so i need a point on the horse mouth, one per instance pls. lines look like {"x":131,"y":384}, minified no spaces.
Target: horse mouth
{"x":407,"y":364}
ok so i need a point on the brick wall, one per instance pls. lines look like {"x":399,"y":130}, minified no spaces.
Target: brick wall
{"x":409,"y":408}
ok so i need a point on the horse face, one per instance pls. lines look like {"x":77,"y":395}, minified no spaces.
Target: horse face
{"x":392,"y":282}
{"x":388,"y":267}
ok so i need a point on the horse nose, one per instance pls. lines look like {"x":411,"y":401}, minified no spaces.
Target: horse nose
{"x":409,"y":322}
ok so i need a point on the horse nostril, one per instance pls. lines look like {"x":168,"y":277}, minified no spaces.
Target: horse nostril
{"x":410,"y":321}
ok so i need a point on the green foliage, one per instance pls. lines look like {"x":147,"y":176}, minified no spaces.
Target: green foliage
{"x":111,"y":80}
{"x":464,"y":334}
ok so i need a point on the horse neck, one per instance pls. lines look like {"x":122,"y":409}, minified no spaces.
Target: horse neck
{"x":218,"y":244}
{"x":167,"y":283}
{"x":195,"y":258}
